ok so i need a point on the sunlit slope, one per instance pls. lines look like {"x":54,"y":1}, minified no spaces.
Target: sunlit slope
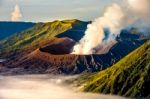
{"x":40,"y":35}
{"x":129,"y":77}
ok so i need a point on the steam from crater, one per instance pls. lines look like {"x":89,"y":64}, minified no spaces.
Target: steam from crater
{"x":16,"y":15}
{"x":114,"y":19}
{"x":94,"y":34}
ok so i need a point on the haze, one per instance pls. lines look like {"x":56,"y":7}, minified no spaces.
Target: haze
{"x":42,"y":87}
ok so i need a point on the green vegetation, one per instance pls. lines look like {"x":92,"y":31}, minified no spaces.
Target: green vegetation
{"x":40,"y":35}
{"x":129,"y":77}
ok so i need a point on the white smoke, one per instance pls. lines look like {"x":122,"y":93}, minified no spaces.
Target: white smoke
{"x":16,"y":15}
{"x":115,"y":18}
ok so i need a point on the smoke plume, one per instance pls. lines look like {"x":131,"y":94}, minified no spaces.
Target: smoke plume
{"x":16,"y":15}
{"x":94,"y":34}
{"x":114,"y":19}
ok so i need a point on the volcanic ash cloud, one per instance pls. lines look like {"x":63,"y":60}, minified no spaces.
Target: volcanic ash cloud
{"x":16,"y":15}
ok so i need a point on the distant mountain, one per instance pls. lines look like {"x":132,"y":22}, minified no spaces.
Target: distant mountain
{"x":9,"y":28}
{"x":129,"y":77}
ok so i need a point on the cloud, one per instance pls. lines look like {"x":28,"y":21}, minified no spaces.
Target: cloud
{"x":16,"y":15}
{"x":43,"y":87}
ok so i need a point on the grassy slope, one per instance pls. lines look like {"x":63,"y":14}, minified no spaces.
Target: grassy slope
{"x":40,"y":35}
{"x":129,"y":77}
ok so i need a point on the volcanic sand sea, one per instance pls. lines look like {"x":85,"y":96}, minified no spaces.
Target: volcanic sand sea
{"x":42,"y":87}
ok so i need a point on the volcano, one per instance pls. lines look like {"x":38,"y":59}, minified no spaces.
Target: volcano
{"x":47,"y":47}
{"x":55,"y":58}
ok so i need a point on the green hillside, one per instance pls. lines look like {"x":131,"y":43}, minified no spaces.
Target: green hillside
{"x":129,"y":77}
{"x":40,"y":35}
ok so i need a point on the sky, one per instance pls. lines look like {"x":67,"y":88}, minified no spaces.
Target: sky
{"x":48,"y":10}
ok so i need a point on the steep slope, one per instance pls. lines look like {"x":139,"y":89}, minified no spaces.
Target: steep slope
{"x":129,"y":77}
{"x":9,"y":28}
{"x":38,"y":36}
